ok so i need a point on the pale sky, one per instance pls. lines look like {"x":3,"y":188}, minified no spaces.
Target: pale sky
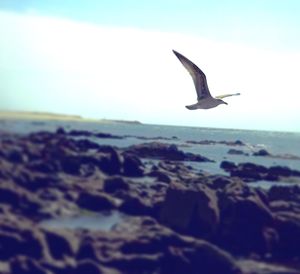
{"x":114,"y":60}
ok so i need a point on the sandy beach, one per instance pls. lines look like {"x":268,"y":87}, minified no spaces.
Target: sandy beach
{"x":48,"y":116}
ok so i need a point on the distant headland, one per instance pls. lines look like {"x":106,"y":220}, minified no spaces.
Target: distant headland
{"x":35,"y":115}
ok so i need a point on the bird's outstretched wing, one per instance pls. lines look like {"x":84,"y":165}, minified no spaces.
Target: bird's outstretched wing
{"x":198,"y":76}
{"x":226,"y":95}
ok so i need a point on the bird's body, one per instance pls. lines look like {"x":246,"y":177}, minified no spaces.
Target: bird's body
{"x":204,"y":98}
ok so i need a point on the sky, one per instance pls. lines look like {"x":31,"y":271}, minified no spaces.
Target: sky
{"x":114,"y":60}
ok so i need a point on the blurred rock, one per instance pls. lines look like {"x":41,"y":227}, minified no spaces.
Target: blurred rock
{"x":116,"y":183}
{"x":244,"y":220}
{"x":237,"y":152}
{"x":26,"y":265}
{"x":95,"y":201}
{"x":132,"y":166}
{"x":261,"y":152}
{"x":251,"y":171}
{"x":164,"y":151}
{"x":193,"y":210}
{"x":61,"y":174}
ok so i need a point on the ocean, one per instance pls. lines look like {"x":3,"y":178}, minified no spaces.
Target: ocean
{"x":283,"y":146}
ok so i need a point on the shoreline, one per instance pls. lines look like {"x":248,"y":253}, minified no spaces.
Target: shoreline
{"x":32,"y":115}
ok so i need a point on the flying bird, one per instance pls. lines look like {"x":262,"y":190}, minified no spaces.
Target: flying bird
{"x":204,"y":98}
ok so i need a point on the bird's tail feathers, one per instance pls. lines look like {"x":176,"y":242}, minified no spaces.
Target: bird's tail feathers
{"x":192,"y":107}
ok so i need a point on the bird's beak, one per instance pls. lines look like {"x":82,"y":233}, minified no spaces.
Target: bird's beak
{"x":225,"y":103}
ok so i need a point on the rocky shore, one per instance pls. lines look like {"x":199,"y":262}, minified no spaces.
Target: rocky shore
{"x":174,"y":219}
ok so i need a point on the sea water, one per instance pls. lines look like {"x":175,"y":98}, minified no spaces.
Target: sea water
{"x":280,"y":144}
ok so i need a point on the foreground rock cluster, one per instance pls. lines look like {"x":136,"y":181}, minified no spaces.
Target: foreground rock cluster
{"x":176,"y":220}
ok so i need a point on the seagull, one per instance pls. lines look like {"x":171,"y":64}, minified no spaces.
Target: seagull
{"x":204,"y":98}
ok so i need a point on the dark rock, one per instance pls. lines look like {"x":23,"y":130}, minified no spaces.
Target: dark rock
{"x":245,"y":218}
{"x":134,"y":205}
{"x":15,"y":156}
{"x":18,"y":237}
{"x":42,"y":166}
{"x":107,"y":149}
{"x":280,"y":171}
{"x":19,"y":199}
{"x":152,"y":138}
{"x":164,"y":151}
{"x":59,"y":267}
{"x":85,"y":133}
{"x":107,"y":135}
{"x":192,"y":210}
{"x":271,"y":177}
{"x":237,"y":152}
{"x":137,"y":263}
{"x":239,"y":143}
{"x":61,"y":131}
{"x":247,"y":171}
{"x":161,"y":250}
{"x":132,"y":166}
{"x":158,"y":150}
{"x":207,"y":259}
{"x":142,"y":247}
{"x":285,"y":204}
{"x":288,"y":227}
{"x":263,"y":195}
{"x":85,"y":144}
{"x":250,"y":171}
{"x":110,"y":162}
{"x":160,"y":176}
{"x":5,"y":170}
{"x":9,"y":195}
{"x":32,"y":245}
{"x":213,"y":142}
{"x":41,"y":137}
{"x":58,"y":245}
{"x":175,"y":169}
{"x":34,"y":181}
{"x":203,"y":142}
{"x":10,"y":245}
{"x":95,"y":201}
{"x":25,"y":265}
{"x":71,"y":164}
{"x":261,"y":152}
{"x":220,"y":182}
{"x":285,"y":193}
{"x":196,"y":158}
{"x":87,"y":267}
{"x":227,"y":166}
{"x":84,"y":165}
{"x":159,"y":187}
{"x":231,"y":143}
{"x":87,"y":250}
{"x":296,"y":172}
{"x":113,"y":184}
